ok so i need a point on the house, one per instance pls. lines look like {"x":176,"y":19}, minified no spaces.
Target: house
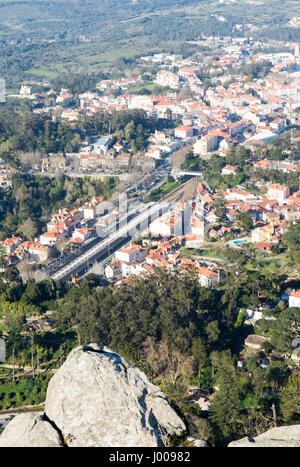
{"x":167,"y":225}
{"x":166,"y":78}
{"x":229,"y":169}
{"x":107,"y":224}
{"x":206,"y":144}
{"x":50,"y":238}
{"x":253,"y":314}
{"x":88,"y":211}
{"x":261,"y":234}
{"x":211,"y":217}
{"x":294,"y":299}
{"x":278,"y":192}
{"x":114,"y":269}
{"x":134,"y":268}
{"x":207,"y":277}
{"x":254,"y":341}
{"x":64,"y":96}
{"x":184,"y":131}
{"x":198,"y":228}
{"x":264,"y":164}
{"x":35,"y":251}
{"x":64,"y":223}
{"x":264,"y":246}
{"x":135,"y":253}
{"x":232,"y":214}
{"x":11,"y":243}
{"x":101,"y":146}
{"x":93,"y":208}
{"x":82,"y":234}
{"x":154,"y":152}
{"x":296,"y":354}
{"x":241,"y":361}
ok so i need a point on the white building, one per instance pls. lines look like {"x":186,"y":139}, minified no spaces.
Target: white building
{"x":135,"y":253}
{"x":114,"y":269}
{"x":101,"y":146}
{"x":294,"y":299}
{"x":206,"y":144}
{"x":25,"y":90}
{"x":141,"y":102}
{"x":166,"y":78}
{"x":278,"y":192}
{"x":50,"y":238}
{"x":167,"y":225}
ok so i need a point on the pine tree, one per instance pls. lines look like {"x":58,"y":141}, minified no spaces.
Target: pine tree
{"x":290,"y":400}
{"x":225,"y":408}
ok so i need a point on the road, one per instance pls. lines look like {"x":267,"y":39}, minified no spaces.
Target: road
{"x":70,"y":256}
{"x":116,"y":239}
{"x":143,"y":183}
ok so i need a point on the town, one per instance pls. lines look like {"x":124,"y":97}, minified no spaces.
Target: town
{"x":231,"y":113}
{"x":175,"y":175}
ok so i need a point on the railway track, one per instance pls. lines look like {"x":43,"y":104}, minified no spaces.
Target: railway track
{"x":187,"y":188}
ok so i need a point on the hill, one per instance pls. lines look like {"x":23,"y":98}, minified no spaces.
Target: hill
{"x":45,"y":38}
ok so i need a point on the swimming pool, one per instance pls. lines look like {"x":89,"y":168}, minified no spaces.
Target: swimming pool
{"x":237,"y":242}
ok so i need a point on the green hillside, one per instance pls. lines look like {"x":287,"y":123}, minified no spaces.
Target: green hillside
{"x":42,"y":36}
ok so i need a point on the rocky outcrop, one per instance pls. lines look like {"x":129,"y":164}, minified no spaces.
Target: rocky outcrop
{"x":195,"y":443}
{"x":97,"y":399}
{"x":30,"y":430}
{"x":284,"y":436}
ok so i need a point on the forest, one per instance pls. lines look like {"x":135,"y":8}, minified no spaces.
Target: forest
{"x":29,"y":132}
{"x":174,"y":330}
{"x":24,"y":131}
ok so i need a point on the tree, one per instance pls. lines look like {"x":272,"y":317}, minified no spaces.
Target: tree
{"x":292,"y":240}
{"x":200,"y":428}
{"x":241,"y":318}
{"x":2,"y":254}
{"x":277,"y":374}
{"x":246,"y":221}
{"x":212,"y":331}
{"x":225,"y":409}
{"x":167,"y":362}
{"x":185,"y":92}
{"x":29,"y":229}
{"x":200,"y":355}
{"x":286,"y":328}
{"x":290,"y":400}
{"x":220,"y":209}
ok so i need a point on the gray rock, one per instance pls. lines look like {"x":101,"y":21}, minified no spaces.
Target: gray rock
{"x":30,"y":430}
{"x":196,"y":443}
{"x":98,"y":399}
{"x":284,"y":436}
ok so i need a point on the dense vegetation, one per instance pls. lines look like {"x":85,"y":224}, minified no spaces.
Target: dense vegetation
{"x":134,"y":126}
{"x":176,"y":331}
{"x":28,"y":204}
{"x":25,"y":131}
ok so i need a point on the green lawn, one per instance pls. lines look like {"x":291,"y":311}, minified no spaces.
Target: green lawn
{"x":43,"y":73}
{"x":164,"y":190}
